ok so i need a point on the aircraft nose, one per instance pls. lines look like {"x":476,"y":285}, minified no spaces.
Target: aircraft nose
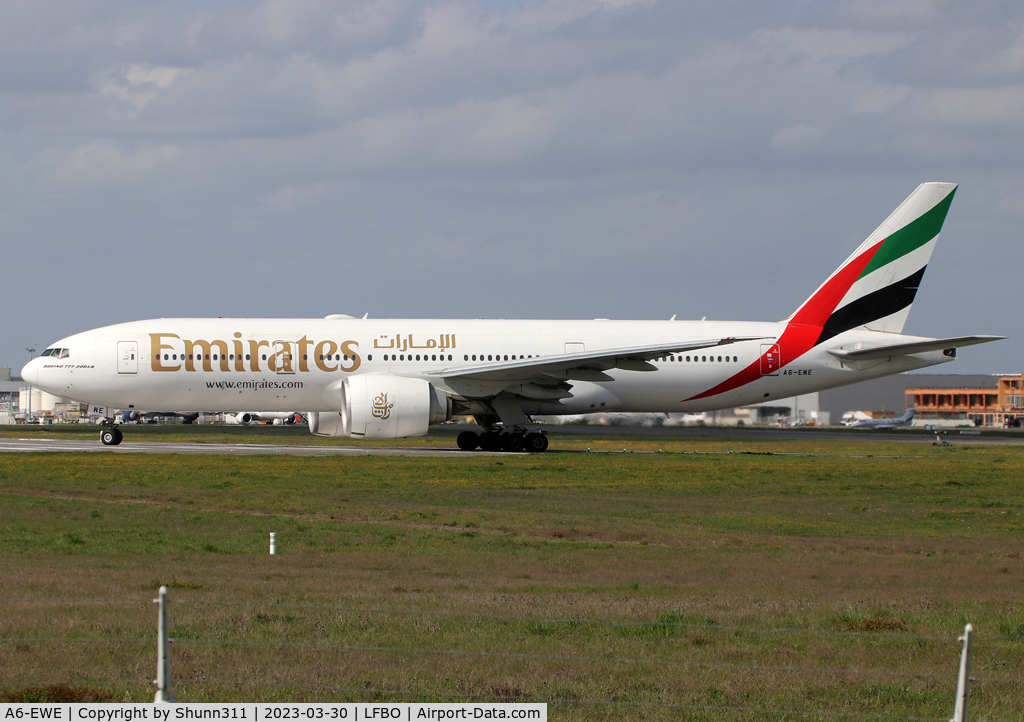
{"x":30,"y":372}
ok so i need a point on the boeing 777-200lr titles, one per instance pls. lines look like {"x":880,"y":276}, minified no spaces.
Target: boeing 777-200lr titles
{"x":380,"y":379}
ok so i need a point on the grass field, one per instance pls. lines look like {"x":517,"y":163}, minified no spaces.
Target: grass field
{"x":616,"y":586}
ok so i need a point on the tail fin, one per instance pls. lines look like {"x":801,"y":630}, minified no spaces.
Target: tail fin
{"x":875,"y":286}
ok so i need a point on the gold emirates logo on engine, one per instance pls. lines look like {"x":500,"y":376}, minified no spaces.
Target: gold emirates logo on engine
{"x":381,"y":408}
{"x":170,"y":352}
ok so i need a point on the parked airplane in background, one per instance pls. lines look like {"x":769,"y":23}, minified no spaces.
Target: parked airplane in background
{"x":904,"y":420}
{"x":373,"y":379}
{"x":278,"y":418}
{"x":103,"y":414}
{"x":152,"y":416}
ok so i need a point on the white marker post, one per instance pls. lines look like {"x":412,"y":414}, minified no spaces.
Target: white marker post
{"x":273,"y":543}
{"x":163,"y":654}
{"x":963,"y":682}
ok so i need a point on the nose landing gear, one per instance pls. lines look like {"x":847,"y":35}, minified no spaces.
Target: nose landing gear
{"x":110,"y":436}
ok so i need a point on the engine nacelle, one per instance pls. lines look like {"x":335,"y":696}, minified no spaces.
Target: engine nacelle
{"x":383,"y":406}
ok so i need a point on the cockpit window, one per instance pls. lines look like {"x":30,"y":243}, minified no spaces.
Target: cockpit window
{"x":49,"y":351}
{"x":64,"y":353}
{"x":55,"y":352}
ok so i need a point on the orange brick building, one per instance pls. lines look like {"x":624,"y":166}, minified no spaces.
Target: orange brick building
{"x":1001,"y":406}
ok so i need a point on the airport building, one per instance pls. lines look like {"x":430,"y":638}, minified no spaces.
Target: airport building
{"x":941,"y":399}
{"x":10,"y":390}
{"x":999,"y":405}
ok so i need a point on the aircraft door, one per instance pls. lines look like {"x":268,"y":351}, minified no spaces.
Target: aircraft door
{"x":771,"y":359}
{"x":127,"y":357}
{"x":574,"y":347}
{"x":283,"y":359}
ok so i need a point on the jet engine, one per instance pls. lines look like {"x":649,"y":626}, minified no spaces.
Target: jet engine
{"x":383,"y":406}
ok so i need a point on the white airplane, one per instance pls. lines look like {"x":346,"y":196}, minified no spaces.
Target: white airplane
{"x":904,"y":420}
{"x":374,"y":379}
{"x":278,"y":418}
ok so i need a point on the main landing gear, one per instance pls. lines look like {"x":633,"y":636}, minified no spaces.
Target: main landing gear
{"x":497,"y":440}
{"x":110,"y":436}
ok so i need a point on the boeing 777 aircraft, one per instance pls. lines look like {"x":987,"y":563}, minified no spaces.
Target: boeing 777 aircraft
{"x":374,"y":379}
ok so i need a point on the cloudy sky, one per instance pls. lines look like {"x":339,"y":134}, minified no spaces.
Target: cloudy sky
{"x":491,"y":158}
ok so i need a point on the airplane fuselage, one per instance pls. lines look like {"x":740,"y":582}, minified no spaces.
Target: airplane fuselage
{"x":287,"y":364}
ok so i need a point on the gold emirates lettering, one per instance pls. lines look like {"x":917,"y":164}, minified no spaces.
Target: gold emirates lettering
{"x":200,"y":355}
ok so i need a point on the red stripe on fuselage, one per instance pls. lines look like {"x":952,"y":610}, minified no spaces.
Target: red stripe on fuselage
{"x":805,"y":327}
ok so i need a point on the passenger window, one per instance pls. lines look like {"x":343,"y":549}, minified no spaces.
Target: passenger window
{"x":704,"y":358}
{"x":247,"y":357}
{"x":719,"y":359}
{"x":489,"y":357}
{"x":433,"y":357}
{"x":369,"y":357}
{"x":165,"y":357}
{"x":687,"y":358}
{"x":465,"y":357}
{"x":264,"y":357}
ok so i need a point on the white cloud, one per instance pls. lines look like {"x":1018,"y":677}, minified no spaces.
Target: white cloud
{"x":898,"y":13}
{"x":796,"y":137}
{"x":137,"y":84}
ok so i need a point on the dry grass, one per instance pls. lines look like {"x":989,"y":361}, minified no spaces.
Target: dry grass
{"x":633,"y":582}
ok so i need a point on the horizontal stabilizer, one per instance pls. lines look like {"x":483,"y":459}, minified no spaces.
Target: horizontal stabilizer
{"x":912,"y":347}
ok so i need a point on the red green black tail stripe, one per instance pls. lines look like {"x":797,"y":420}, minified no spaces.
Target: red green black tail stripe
{"x":819,"y":319}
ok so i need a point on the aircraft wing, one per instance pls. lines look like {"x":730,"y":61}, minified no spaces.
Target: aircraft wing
{"x":912,"y":347}
{"x":584,"y":366}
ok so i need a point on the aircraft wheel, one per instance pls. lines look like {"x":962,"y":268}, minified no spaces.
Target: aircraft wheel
{"x":513,"y":442}
{"x":490,"y":441}
{"x":110,"y":437}
{"x":536,"y":442}
{"x":468,"y":440}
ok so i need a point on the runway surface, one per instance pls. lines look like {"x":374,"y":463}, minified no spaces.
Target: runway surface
{"x":161,"y":447}
{"x":158,"y":447}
